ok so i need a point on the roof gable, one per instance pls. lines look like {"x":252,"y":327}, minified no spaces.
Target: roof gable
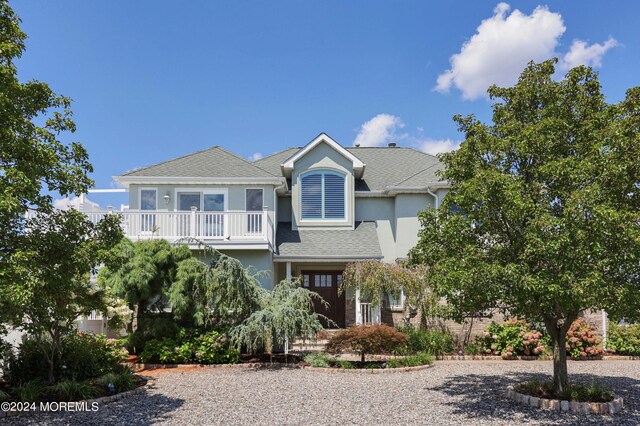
{"x":288,"y":165}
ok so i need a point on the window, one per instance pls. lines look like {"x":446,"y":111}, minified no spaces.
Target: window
{"x":253,"y":198}
{"x":253,"y":203}
{"x":322,"y":195}
{"x":148,"y":199}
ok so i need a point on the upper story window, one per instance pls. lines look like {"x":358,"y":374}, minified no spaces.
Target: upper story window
{"x":148,"y":199}
{"x":322,"y":195}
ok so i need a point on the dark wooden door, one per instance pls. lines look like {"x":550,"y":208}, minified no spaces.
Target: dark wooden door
{"x":326,"y":284}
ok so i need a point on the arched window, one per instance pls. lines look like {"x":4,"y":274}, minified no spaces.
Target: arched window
{"x":322,"y":195}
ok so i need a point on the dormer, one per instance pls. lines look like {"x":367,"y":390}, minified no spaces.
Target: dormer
{"x":322,"y":184}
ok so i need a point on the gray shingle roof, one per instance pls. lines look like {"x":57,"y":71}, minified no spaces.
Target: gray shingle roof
{"x":211,"y":162}
{"x":360,"y":243}
{"x":398,"y":166}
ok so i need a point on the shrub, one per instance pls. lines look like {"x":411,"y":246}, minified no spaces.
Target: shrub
{"x":30,"y":391}
{"x":422,"y":340}
{"x":83,"y":356}
{"x":421,"y":358}
{"x":318,"y":359}
{"x":367,"y":339}
{"x":514,"y":337}
{"x":122,"y":381}
{"x":473,"y":349}
{"x":347,"y":365}
{"x":191,"y":346}
{"x":71,"y":390}
{"x":624,"y":339}
{"x":3,"y":396}
{"x":582,"y":341}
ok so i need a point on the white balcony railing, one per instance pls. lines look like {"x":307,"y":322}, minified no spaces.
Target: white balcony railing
{"x":206,"y":226}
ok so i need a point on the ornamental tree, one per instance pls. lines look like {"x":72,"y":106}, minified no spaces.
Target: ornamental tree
{"x":542,"y":219}
{"x":52,"y":268}
{"x":374,"y":279}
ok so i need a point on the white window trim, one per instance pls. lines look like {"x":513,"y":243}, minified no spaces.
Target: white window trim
{"x":202,"y":192}
{"x":140,"y":197}
{"x":346,"y":196}
{"x":245,"y":198}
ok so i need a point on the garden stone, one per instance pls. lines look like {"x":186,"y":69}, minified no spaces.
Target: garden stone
{"x":554,"y":404}
{"x":564,"y":405}
{"x":544,"y":403}
{"x":534,"y":402}
{"x":575,"y":406}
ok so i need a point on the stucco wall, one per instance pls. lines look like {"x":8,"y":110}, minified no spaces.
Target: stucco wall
{"x":407,"y":208}
{"x":382,"y":211}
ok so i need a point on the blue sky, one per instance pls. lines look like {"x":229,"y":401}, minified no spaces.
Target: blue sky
{"x":155,"y":80}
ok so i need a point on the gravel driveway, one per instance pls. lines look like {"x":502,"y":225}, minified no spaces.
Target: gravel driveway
{"x":451,"y":393}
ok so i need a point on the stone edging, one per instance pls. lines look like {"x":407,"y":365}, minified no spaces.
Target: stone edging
{"x":141,"y":367}
{"x":531,"y":358}
{"x":368,"y":370}
{"x":87,"y":402}
{"x":562,"y":405}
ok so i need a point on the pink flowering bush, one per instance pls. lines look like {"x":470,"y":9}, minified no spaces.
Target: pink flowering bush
{"x":512,"y":338}
{"x":582,"y":341}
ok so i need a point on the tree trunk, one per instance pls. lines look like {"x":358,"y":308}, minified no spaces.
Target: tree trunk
{"x":362,"y":358}
{"x":558,"y":332}
{"x":560,"y":373}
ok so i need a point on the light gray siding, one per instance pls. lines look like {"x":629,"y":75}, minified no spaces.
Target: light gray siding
{"x":382,"y":211}
{"x":408,"y":206}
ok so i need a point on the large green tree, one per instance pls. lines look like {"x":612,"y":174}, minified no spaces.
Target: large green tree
{"x":33,"y":161}
{"x":53,"y":270}
{"x":542,"y":220}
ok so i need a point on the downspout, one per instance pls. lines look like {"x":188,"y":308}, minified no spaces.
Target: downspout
{"x":436,"y":198}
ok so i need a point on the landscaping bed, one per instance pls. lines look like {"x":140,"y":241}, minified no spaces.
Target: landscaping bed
{"x":578,"y":398}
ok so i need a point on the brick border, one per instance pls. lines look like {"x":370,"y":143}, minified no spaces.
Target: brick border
{"x":103,"y":400}
{"x":368,"y":370}
{"x":142,"y":367}
{"x":611,"y":407}
{"x":532,"y":358}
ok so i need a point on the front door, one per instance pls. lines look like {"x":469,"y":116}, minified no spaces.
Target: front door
{"x":326,"y":284}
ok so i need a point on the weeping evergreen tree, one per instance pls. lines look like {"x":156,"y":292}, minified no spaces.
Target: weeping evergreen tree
{"x":141,"y":273}
{"x":217,"y":291}
{"x":285,"y":312}
{"x":221,"y":291}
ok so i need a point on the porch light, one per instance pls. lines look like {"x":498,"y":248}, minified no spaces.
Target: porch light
{"x":167,"y":198}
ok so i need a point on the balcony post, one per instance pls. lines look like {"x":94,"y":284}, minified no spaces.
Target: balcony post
{"x":192,"y":230}
{"x":264,"y":222}
{"x":289,"y":272}
{"x":358,"y":308}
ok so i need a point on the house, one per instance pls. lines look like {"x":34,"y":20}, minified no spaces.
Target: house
{"x":304,"y":211}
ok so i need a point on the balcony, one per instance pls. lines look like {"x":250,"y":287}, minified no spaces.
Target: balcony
{"x":229,"y":229}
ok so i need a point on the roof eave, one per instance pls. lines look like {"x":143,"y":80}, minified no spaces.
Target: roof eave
{"x":194,"y":180}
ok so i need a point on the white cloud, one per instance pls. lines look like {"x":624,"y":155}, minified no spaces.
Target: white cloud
{"x":383,"y":128}
{"x":437,"y":146}
{"x":503,"y":45}
{"x":500,"y":49}
{"x":75,"y":202}
{"x":255,"y":156}
{"x":581,"y":53}
{"x":379,"y":131}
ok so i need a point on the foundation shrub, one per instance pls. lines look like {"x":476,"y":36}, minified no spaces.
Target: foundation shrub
{"x":624,"y":339}
{"x":582,"y":341}
{"x":191,"y":346}
{"x":512,"y":338}
{"x":434,"y":342}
